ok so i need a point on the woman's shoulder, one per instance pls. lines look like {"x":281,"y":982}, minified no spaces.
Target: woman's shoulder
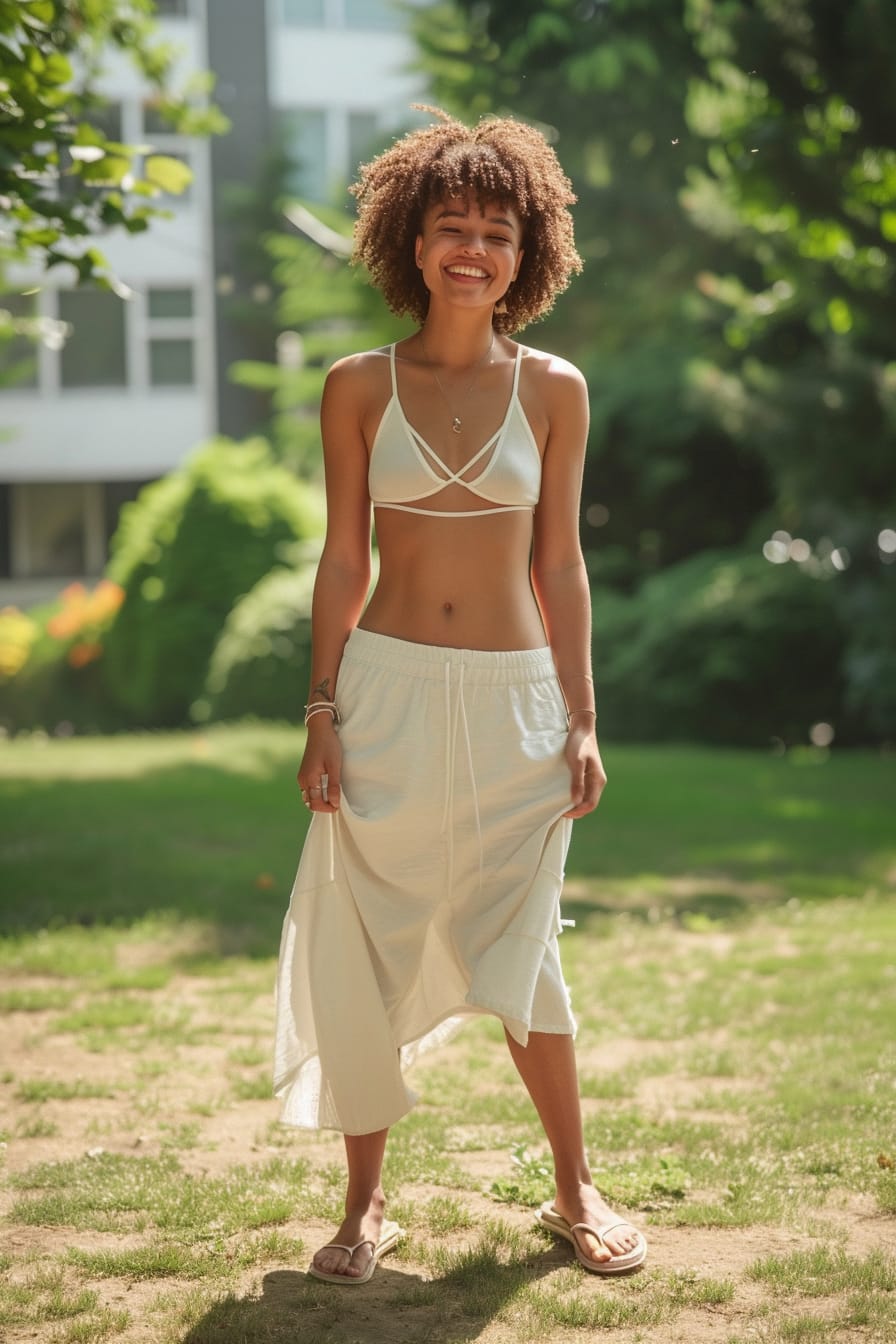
{"x":550,"y":374}
{"x":360,"y":371}
{"x":360,"y":367}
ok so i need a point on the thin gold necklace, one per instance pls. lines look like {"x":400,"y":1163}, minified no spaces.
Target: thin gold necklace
{"x":456,"y":423}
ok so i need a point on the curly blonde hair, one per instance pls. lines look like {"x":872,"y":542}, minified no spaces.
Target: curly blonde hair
{"x":500,"y":160}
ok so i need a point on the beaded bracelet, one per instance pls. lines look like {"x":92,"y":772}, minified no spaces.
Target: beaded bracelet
{"x":318,"y":706}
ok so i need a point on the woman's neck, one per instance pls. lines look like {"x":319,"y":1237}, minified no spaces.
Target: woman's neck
{"x":457,"y":340}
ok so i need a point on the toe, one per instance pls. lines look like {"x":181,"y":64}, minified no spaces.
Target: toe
{"x":621,"y":1240}
{"x":592,"y":1246}
{"x":331,"y":1260}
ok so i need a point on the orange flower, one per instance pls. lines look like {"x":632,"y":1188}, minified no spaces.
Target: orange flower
{"x":85,"y":613}
{"x":64,"y":624}
{"x":79,"y":655}
{"x":105,"y":600}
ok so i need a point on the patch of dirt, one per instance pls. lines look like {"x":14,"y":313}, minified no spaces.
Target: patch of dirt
{"x":154,"y":1105}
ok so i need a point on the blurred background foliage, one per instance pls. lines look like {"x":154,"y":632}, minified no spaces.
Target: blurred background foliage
{"x":736,"y":171}
{"x":735,"y":166}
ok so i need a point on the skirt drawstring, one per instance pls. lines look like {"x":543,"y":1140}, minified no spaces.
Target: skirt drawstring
{"x":454,"y":717}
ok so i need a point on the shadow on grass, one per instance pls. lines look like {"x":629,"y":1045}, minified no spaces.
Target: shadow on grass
{"x":452,"y":1309}
{"x":195,"y":841}
{"x":210,"y":831}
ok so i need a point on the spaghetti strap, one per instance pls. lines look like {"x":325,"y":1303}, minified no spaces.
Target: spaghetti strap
{"x":514,"y":395}
{"x":392,"y":370}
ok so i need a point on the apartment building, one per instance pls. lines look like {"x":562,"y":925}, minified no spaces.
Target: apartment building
{"x":137,"y":383}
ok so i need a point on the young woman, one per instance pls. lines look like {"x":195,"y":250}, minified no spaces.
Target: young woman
{"x":451,"y":722}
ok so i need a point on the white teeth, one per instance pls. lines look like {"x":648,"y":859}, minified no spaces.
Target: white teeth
{"x":467,"y":270}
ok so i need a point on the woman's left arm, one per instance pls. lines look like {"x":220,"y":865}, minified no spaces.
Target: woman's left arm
{"x":559,"y":577}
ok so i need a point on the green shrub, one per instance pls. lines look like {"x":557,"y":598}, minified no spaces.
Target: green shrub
{"x":261,"y":664}
{"x":186,"y":550}
{"x":869,"y":612}
{"x":723,"y":647}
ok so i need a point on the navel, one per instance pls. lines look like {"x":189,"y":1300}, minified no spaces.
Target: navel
{"x":448,"y":608}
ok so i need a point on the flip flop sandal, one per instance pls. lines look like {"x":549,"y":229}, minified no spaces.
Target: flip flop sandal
{"x":547,"y":1216}
{"x":390,"y":1236}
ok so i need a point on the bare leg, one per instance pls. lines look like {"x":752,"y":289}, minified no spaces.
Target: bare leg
{"x":364,"y":1205}
{"x":547,"y":1066}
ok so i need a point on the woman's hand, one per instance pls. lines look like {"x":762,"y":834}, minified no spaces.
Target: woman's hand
{"x":321,"y":769}
{"x":587,"y":774}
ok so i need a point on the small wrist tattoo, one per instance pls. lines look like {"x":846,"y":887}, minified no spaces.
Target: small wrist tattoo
{"x":322,"y":688}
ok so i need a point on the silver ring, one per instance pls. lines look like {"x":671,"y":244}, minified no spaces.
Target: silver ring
{"x":324,"y":787}
{"x":314,"y":789}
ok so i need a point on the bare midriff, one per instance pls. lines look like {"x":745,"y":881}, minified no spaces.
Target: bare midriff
{"x":457,"y":582}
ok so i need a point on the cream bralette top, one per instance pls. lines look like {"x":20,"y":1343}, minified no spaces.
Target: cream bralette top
{"x":405,"y":469}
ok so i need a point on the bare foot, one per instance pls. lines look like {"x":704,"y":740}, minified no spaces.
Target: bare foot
{"x":586,"y":1205}
{"x":360,"y":1225}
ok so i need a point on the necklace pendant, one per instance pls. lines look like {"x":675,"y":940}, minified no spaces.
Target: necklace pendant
{"x":455,"y":425}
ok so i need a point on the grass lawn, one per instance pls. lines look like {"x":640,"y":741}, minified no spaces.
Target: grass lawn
{"x":733,"y":968}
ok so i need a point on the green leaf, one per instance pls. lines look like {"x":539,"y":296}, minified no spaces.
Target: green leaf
{"x":171,"y":175}
{"x":839,"y":316}
{"x":57,"y":69}
{"x":40,"y":12}
{"x":85,"y":134}
{"x":888,"y":225}
{"x":39,"y":237}
{"x":107,"y":169}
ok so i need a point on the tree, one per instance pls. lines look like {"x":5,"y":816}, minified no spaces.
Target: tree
{"x":736,"y":170}
{"x":608,"y":82}
{"x":63,"y":181}
{"x":798,"y":107}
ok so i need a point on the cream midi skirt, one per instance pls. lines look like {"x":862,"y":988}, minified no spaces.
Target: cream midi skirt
{"x":434,"y":891}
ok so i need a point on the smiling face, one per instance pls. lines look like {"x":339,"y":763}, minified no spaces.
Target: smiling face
{"x":469,"y":251}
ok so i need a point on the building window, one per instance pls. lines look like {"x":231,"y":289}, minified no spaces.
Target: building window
{"x":154,"y":122}
{"x":60,"y":529}
{"x":94,"y":355}
{"x":52,"y":515}
{"x":304,"y":13}
{"x":381,"y":15}
{"x":374,"y":14}
{"x":171,"y":331}
{"x":173,"y":9}
{"x":18,"y":351}
{"x":171,"y":363}
{"x":108,"y":118}
{"x":305,"y":138}
{"x":169,"y":303}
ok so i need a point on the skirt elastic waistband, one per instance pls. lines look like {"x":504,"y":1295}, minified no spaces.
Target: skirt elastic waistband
{"x":428,"y":661}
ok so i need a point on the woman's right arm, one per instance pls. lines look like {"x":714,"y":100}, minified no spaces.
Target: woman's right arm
{"x":343,"y":575}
